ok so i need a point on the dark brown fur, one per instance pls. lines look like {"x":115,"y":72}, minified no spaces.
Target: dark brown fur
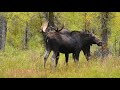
{"x":68,"y":42}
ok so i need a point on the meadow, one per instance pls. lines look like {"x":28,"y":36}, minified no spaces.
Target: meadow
{"x":16,"y":63}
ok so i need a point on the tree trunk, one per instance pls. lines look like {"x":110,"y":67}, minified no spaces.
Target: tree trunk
{"x":25,"y":43}
{"x":115,"y":43}
{"x":105,"y":30}
{"x":46,"y":16}
{"x":119,"y":49}
{"x":104,"y":26}
{"x":49,"y":17}
{"x":3,"y":30}
{"x":87,"y":23}
{"x":105,"y":17}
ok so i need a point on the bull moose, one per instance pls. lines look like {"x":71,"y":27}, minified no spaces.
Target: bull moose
{"x":65,"y":41}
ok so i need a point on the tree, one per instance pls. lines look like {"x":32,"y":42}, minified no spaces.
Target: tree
{"x":49,"y":16}
{"x":86,"y":22}
{"x":104,"y":26}
{"x":25,"y":39}
{"x":3,"y":30}
{"x":105,"y":18}
{"x":51,"y":19}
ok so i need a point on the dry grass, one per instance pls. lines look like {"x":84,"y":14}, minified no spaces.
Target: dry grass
{"x":29,"y":64}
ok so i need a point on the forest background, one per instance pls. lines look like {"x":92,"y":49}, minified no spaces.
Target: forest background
{"x":22,"y":47}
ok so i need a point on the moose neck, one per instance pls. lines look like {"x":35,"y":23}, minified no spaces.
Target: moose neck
{"x":85,"y":40}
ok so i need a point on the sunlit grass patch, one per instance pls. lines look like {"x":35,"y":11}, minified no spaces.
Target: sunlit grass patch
{"x":29,"y":64}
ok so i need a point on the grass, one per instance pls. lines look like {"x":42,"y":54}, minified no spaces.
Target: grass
{"x":29,"y":64}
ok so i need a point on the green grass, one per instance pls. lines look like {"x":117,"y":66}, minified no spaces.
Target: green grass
{"x":29,"y":64}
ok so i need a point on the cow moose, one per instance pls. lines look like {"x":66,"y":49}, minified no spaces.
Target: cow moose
{"x":65,"y":41}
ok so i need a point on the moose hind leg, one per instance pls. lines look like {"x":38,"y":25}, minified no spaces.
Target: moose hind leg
{"x":57,"y":58}
{"x":47,"y":53}
{"x":54,"y":57}
{"x":76,"y":57}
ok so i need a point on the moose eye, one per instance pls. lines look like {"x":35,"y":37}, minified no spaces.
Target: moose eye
{"x":93,"y":37}
{"x":87,"y":34}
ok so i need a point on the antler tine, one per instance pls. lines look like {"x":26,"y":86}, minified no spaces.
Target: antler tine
{"x":57,"y":28}
{"x":61,"y":27}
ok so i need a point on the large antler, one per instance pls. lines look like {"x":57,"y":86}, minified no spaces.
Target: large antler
{"x":57,"y":30}
{"x":61,"y":28}
{"x":44,"y":26}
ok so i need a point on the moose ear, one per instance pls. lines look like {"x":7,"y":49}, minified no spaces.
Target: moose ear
{"x":44,"y":26}
{"x":87,"y":31}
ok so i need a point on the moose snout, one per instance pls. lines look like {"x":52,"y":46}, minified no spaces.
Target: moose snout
{"x":100,"y":43}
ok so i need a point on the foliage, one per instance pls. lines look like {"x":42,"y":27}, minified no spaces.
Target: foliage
{"x":17,"y":24}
